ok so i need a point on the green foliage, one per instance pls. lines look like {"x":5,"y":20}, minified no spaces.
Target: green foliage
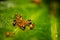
{"x":38,"y":15}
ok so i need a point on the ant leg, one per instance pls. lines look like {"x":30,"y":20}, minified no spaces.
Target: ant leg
{"x":31,"y":28}
{"x":14,"y":20}
{"x":29,"y":19}
{"x":24,"y":28}
{"x":14,"y":23}
{"x":30,"y":23}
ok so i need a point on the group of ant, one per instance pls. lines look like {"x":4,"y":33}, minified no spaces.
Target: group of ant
{"x":20,"y":23}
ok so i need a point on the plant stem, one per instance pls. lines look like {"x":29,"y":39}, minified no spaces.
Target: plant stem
{"x":54,"y":28}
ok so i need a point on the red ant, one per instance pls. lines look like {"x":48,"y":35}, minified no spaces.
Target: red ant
{"x":21,"y":23}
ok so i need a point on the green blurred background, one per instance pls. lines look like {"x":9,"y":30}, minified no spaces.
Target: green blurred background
{"x":45,"y":25}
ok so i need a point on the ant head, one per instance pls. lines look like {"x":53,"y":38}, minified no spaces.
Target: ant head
{"x":17,"y":16}
{"x":31,"y":26}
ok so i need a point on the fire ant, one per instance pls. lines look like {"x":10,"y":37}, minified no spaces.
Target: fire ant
{"x":22,"y":23}
{"x":9,"y":34}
